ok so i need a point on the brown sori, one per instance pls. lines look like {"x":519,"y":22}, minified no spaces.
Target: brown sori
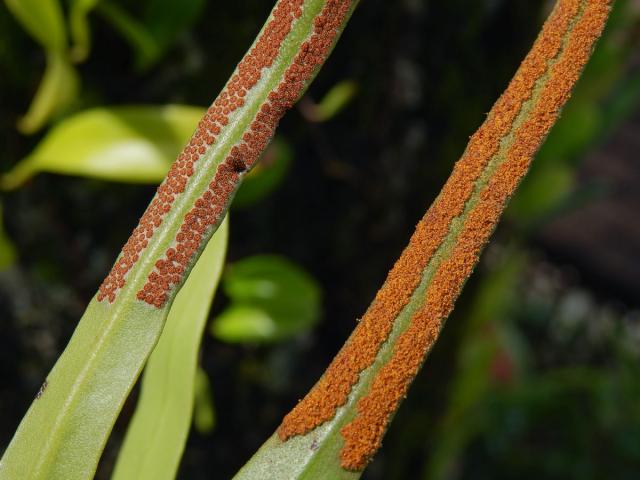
{"x":562,"y":35}
{"x":209,"y":209}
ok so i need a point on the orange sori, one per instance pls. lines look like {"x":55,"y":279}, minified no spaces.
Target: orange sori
{"x":558,"y":57}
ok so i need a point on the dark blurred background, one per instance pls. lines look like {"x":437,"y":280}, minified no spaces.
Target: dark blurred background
{"x":535,"y":374}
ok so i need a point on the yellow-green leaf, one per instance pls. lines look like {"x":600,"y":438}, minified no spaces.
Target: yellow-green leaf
{"x":44,"y":21}
{"x":56,"y":91}
{"x":79,"y":28}
{"x":127,"y":144}
{"x":335,"y":100}
{"x":158,"y":431}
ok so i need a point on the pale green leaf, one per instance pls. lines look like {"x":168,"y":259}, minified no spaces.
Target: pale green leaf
{"x":336,"y":99}
{"x":56,"y":91}
{"x":44,"y":21}
{"x":244,"y":323}
{"x":272,"y":299}
{"x":158,"y":431}
{"x":64,"y":432}
{"x":127,"y":144}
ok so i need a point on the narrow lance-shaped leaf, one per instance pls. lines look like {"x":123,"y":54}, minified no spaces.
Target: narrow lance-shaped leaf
{"x":66,"y":427}
{"x":126,"y":144}
{"x":43,"y":20}
{"x":336,"y":429}
{"x":158,"y":430}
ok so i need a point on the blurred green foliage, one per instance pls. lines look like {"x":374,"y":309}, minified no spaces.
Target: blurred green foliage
{"x":44,"y":21}
{"x":127,"y":144}
{"x":271,"y":299}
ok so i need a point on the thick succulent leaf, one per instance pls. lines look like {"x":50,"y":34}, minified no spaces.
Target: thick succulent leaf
{"x":158,"y":430}
{"x":127,"y":144}
{"x":272,"y":299}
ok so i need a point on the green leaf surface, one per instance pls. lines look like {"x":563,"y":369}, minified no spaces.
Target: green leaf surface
{"x":56,"y":91}
{"x":336,"y":99}
{"x":151,"y":35}
{"x":316,"y":453}
{"x":127,"y":144}
{"x":158,"y":431}
{"x":272,"y":299}
{"x":44,"y":21}
{"x":266,"y":176}
{"x":65,"y":429}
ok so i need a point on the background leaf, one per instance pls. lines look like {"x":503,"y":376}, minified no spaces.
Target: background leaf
{"x":127,"y":144}
{"x":158,"y":431}
{"x":334,"y":101}
{"x":56,"y":91}
{"x":138,"y":37}
{"x":151,"y":35}
{"x":272,"y":299}
{"x":44,"y":21}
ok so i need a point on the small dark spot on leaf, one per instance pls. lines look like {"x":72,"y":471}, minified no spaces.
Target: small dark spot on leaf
{"x":43,"y":387}
{"x":314,"y":445}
